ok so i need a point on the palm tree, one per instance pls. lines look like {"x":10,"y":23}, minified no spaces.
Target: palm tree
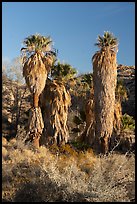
{"x":63,"y":72}
{"x":38,"y":58}
{"x":54,"y":102}
{"x":104,"y":82}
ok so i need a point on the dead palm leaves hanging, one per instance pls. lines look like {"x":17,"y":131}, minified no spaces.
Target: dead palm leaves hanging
{"x":35,"y":75}
{"x":55,"y":101}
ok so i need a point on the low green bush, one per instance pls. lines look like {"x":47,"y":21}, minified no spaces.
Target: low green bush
{"x":128,"y":122}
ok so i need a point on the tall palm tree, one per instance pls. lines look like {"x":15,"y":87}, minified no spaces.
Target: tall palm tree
{"x":104,"y":82}
{"x":38,"y":58}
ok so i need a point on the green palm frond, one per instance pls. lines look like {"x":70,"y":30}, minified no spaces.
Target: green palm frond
{"x":63,"y":71}
{"x":108,"y":40}
{"x":87,"y":79}
{"x":37,"y":43}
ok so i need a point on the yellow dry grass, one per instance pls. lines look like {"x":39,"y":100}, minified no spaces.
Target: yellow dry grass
{"x":43,"y":175}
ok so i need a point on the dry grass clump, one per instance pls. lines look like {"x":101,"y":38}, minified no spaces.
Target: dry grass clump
{"x":84,"y":159}
{"x":42,"y":175}
{"x":4,"y":141}
{"x":111,"y":176}
{"x":4,"y":152}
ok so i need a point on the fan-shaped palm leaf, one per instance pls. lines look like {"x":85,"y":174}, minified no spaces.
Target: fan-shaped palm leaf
{"x":108,"y":40}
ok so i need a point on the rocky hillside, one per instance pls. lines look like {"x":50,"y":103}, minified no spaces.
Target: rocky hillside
{"x":127,"y":75}
{"x":16,"y":102}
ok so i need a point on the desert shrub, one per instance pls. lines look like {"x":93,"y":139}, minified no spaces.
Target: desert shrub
{"x":39,"y":175}
{"x":128,"y":122}
{"x":80,"y":154}
{"x":81,"y":145}
{"x":110,"y":177}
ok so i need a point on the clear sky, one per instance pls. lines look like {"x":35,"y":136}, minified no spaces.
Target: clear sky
{"x":73,"y":27}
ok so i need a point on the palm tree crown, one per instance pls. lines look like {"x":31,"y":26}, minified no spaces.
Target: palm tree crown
{"x":108,"y":40}
{"x":63,"y":72}
{"x":37,"y":44}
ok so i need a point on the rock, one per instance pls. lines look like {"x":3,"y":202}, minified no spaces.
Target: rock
{"x":15,"y":98}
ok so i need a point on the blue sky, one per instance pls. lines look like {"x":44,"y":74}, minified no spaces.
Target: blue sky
{"x":73,"y":27}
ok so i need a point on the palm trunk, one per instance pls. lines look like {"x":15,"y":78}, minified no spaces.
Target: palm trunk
{"x":87,"y":135}
{"x":117,"y":124}
{"x":104,"y":80}
{"x":35,"y":126}
{"x":35,"y":100}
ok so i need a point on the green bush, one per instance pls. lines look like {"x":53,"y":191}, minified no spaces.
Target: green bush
{"x":128,"y":122}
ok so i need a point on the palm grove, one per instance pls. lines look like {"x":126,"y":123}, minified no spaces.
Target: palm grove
{"x":51,"y":99}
